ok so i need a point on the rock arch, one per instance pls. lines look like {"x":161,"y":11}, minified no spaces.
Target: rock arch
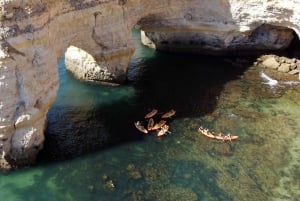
{"x":34,"y":34}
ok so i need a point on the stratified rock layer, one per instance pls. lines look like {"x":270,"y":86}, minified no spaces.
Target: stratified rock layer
{"x":35,"y":34}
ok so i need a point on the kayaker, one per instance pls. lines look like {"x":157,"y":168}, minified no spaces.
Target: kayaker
{"x":228,"y":136}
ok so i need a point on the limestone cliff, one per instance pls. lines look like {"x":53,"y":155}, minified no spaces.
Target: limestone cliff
{"x":34,"y":34}
{"x":220,"y":27}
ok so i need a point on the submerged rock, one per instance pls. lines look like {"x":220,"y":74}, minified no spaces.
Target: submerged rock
{"x":109,"y":185}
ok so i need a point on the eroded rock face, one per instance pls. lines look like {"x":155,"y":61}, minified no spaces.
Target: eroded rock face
{"x":220,"y":27}
{"x":35,"y":34}
{"x":85,"y":67}
{"x":265,"y":37}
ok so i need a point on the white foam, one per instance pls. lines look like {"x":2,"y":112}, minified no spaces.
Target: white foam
{"x":271,"y":82}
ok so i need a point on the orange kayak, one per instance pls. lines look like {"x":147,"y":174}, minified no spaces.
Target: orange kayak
{"x":140,"y":127}
{"x":220,"y":136}
{"x":169,"y":114}
{"x":151,"y":114}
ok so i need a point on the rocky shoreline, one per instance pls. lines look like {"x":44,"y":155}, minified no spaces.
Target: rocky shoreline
{"x":283,"y":64}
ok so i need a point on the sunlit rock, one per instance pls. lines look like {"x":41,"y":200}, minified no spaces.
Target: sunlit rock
{"x":84,"y":66}
{"x":271,"y":63}
{"x":284,"y":68}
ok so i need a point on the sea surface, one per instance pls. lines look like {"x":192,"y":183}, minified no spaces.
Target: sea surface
{"x":93,"y":152}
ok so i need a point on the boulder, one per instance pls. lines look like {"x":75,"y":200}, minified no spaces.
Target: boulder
{"x":294,"y":72}
{"x":271,"y":63}
{"x":284,"y":68}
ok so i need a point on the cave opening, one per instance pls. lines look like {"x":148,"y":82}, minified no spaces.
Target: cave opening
{"x":86,"y":112}
{"x":294,"y":48}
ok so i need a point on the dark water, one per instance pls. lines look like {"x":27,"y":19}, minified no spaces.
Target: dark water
{"x":93,"y":151}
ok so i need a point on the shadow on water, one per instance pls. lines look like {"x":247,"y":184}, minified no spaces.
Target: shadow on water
{"x":188,"y":83}
{"x":88,"y":117}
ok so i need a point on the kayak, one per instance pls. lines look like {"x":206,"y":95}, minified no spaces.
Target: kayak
{"x":164,"y":129}
{"x":140,"y":127}
{"x":226,"y":137}
{"x":169,"y":114}
{"x":159,"y":125}
{"x":150,"y":124}
{"x":220,"y":136}
{"x":151,"y":114}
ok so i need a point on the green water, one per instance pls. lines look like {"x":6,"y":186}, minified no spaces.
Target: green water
{"x":93,"y":151}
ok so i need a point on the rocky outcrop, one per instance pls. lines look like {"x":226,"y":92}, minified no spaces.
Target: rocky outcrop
{"x":35,"y":34}
{"x":84,"y":67}
{"x":280,"y":63}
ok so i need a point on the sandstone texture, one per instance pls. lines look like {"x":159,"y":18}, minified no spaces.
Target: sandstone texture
{"x":34,"y":34}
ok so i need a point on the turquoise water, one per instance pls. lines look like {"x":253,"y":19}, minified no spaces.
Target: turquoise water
{"x":93,"y":151}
